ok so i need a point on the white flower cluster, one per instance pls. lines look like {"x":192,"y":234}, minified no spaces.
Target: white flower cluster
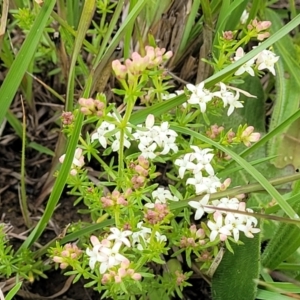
{"x":150,"y":137}
{"x":143,"y":236}
{"x":201,"y":96}
{"x":195,"y":163}
{"x":106,"y":252}
{"x":105,"y":130}
{"x":224,"y":223}
{"x":161,"y":195}
{"x":264,"y":60}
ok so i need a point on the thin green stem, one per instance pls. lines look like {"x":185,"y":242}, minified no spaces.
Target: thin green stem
{"x":23,"y":201}
{"x":101,"y":161}
{"x":250,"y":188}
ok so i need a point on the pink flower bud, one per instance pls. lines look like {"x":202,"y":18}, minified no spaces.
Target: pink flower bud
{"x":136,"y":276}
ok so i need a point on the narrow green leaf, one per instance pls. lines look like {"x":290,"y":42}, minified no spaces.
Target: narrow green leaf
{"x":23,"y":58}
{"x":13,"y":291}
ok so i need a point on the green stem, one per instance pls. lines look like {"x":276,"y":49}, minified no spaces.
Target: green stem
{"x":130,"y":105}
{"x":101,"y":161}
{"x":251,"y":188}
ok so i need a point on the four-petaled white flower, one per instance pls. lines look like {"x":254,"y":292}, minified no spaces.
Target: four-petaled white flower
{"x":200,"y":95}
{"x":184,"y":164}
{"x":94,"y":254}
{"x":163,"y":195}
{"x":218,"y":228}
{"x":101,"y":132}
{"x":201,"y":207}
{"x":120,"y":236}
{"x":246,"y":67}
{"x":266,"y":60}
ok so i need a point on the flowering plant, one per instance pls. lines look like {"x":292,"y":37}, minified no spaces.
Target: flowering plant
{"x":149,"y":167}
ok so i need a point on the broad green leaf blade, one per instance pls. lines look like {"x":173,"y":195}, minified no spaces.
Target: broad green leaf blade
{"x":285,"y":241}
{"x":234,"y":278}
{"x":23,"y":58}
{"x":287,"y":100}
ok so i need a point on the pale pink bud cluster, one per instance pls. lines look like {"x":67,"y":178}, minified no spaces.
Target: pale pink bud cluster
{"x":91,"y":106}
{"x":248,"y":136}
{"x":157,"y":56}
{"x":69,"y":252}
{"x":78,"y":161}
{"x":141,"y":168}
{"x":195,"y":237}
{"x":259,"y":27}
{"x":137,"y":64}
{"x":157,"y":214}
{"x":67,"y":118}
{"x":115,"y":198}
{"x":122,"y":272}
{"x":180,"y":278}
{"x":214,"y":131}
{"x":228,"y":35}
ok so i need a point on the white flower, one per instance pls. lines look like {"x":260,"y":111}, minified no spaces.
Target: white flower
{"x":94,"y":254}
{"x":204,"y":184}
{"x":144,"y":234}
{"x":232,"y":203}
{"x":110,"y":257}
{"x":236,"y":225}
{"x":99,"y":135}
{"x":147,"y":150}
{"x":244,"y":17}
{"x":247,"y":67}
{"x":248,"y":229}
{"x":120,"y":236}
{"x":163,"y":195}
{"x":266,"y":60}
{"x":77,"y":163}
{"x":172,"y":95}
{"x":116,"y":143}
{"x":151,"y":137}
{"x":184,"y":164}
{"x":200,"y":207}
{"x":233,"y":103}
{"x":218,"y":228}
{"x":199,"y":96}
{"x":160,"y":237}
{"x":203,"y":158}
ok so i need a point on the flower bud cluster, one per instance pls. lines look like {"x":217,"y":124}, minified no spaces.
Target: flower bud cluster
{"x":115,"y":199}
{"x":194,"y":237}
{"x":121,"y":273}
{"x":157,"y":214}
{"x":137,"y":64}
{"x":67,"y":118}
{"x":214,"y":131}
{"x":68,"y":253}
{"x":258,"y":29}
{"x":91,"y":106}
{"x":141,"y":170}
